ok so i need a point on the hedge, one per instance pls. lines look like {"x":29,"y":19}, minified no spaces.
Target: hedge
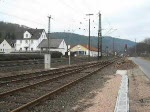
{"x":27,"y":56}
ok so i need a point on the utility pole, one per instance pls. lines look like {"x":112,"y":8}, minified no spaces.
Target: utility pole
{"x":99,"y":37}
{"x":89,"y":46}
{"x":49,"y":53}
{"x":47,"y":56}
{"x":49,"y":21}
{"x":135,"y":47}
{"x":113,"y":47}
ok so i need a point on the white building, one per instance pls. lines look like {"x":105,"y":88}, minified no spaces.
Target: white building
{"x":83,"y":50}
{"x":7,"y":46}
{"x":54,"y":45}
{"x":30,"y":39}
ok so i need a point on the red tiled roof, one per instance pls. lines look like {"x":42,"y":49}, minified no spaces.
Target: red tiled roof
{"x":91,"y":48}
{"x":86,"y":46}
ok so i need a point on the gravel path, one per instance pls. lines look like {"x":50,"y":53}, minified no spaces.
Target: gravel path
{"x":139,"y":91}
{"x":82,"y":97}
{"x":105,"y":98}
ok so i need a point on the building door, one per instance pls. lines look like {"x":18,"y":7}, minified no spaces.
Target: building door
{"x":26,"y":48}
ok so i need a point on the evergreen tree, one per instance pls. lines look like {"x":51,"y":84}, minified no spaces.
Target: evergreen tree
{"x":13,"y":37}
{"x":0,"y":35}
{"x":8,"y":35}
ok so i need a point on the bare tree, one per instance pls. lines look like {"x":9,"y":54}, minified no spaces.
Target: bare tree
{"x":147,"y":41}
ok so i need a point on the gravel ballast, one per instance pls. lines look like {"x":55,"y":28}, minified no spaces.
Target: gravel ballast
{"x":97,"y":91}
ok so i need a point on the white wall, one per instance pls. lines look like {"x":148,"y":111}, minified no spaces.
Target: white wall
{"x":27,"y":35}
{"x":62,"y":47}
{"x":22,"y":44}
{"x":43,"y":36}
{"x":5,"y":47}
{"x":31,"y":43}
{"x":92,"y":53}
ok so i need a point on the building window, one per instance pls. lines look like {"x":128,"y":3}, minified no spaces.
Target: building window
{"x":26,"y":41}
{"x":12,"y":45}
{"x":32,"y":41}
{"x":20,"y":41}
{"x":3,"y":44}
{"x":20,"y":49}
{"x":26,"y":35}
{"x":31,"y":49}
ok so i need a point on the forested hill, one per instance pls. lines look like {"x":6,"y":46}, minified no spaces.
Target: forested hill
{"x":10,"y":31}
{"x":74,"y":39}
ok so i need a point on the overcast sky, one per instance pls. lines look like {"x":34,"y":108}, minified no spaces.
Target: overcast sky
{"x":127,"y":19}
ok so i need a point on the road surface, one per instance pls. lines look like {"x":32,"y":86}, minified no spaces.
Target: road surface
{"x":143,"y":64}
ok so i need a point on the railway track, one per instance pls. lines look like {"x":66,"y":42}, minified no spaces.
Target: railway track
{"x":9,"y":82}
{"x":36,"y":74}
{"x":19,"y":65}
{"x":24,"y":62}
{"x":43,"y":86}
{"x":37,"y":61}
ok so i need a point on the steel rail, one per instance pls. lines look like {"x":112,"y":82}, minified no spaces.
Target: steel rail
{"x":38,"y":76}
{"x":47,"y":80}
{"x":9,"y":64}
{"x":45,"y":73}
{"x":26,"y":62}
{"x":45,"y":97}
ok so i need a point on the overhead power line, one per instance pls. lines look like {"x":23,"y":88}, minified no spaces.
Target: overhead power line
{"x":24,"y":19}
{"x":77,"y":9}
{"x":9,"y":5}
{"x":73,"y":7}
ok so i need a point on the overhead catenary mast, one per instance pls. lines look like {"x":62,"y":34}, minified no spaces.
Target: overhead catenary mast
{"x":89,"y":46}
{"x":135,"y":48}
{"x":48,"y":55}
{"x":99,"y":37}
{"x":49,"y":21}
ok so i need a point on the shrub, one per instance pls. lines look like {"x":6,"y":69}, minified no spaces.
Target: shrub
{"x":27,"y":56}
